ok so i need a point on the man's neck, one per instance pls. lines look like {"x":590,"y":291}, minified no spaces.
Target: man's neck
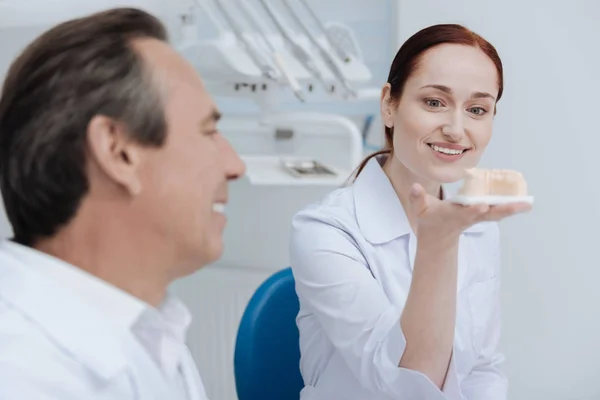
{"x":114,"y":254}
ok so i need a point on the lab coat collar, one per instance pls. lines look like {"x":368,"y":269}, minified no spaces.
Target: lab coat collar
{"x":73,"y":323}
{"x":379,"y":212}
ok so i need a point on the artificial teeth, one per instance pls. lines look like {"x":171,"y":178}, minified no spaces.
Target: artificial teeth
{"x":493,"y":182}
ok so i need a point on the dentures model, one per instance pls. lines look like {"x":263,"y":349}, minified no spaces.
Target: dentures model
{"x":493,"y":186}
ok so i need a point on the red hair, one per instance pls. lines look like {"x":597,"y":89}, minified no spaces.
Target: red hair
{"x":407,"y":59}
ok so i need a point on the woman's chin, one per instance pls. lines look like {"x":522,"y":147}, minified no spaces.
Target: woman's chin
{"x":448,"y":175}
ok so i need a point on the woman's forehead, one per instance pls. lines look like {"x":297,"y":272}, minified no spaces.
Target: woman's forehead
{"x":456,"y":66}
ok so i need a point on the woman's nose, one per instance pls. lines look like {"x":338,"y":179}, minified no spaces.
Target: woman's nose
{"x":454,"y":130}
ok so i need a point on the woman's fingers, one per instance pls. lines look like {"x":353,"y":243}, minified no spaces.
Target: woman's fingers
{"x":419,"y":199}
{"x":497,"y":213}
{"x":475,"y":213}
{"x":450,"y":217}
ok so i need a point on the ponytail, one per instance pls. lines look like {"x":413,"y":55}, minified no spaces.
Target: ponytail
{"x":366,"y":160}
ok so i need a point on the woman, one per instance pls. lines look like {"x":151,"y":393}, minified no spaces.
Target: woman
{"x":398,"y":288}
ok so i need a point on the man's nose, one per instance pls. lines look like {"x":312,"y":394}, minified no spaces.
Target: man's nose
{"x":234,"y":166}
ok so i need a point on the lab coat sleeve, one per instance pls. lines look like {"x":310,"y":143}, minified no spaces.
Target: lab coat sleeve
{"x":486,"y":381}
{"x":333,"y":281}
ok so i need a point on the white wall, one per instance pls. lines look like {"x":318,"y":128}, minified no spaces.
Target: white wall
{"x":11,"y":43}
{"x":548,"y":127}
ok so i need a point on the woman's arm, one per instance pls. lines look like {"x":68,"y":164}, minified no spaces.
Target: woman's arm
{"x":428,"y":320}
{"x":486,"y":381}
{"x":334,"y":282}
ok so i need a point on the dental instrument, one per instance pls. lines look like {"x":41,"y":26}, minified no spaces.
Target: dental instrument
{"x":335,"y":69}
{"x":277,"y":57}
{"x":267,"y":70}
{"x":218,"y":24}
{"x":298,"y":51}
{"x":335,"y":45}
{"x":343,"y":37}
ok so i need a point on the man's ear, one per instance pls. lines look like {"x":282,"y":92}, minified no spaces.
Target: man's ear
{"x":114,"y":152}
{"x":387,"y":105}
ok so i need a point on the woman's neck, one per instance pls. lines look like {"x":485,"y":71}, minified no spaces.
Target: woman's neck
{"x":402,"y":180}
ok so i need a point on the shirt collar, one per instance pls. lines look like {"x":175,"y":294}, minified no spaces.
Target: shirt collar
{"x":75,"y":307}
{"x":163,"y":331}
{"x":71,"y":322}
{"x":379,"y":212}
{"x":121,"y":308}
{"x":157,"y":328}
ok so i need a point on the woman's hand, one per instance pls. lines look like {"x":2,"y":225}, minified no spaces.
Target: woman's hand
{"x":442,"y":218}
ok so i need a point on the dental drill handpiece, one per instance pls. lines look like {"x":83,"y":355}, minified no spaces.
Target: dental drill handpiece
{"x":322,"y":51}
{"x":267,"y":70}
{"x":298,"y":51}
{"x":291,"y":80}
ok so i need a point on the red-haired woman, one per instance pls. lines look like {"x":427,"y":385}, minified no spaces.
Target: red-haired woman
{"x":399,"y":288}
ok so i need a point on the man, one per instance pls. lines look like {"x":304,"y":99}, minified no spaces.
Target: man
{"x":113,"y":175}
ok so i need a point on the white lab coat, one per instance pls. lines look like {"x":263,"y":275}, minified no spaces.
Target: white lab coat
{"x":352,"y":257}
{"x":54,"y":346}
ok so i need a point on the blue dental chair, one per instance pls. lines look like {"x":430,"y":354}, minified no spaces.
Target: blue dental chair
{"x":267,"y":355}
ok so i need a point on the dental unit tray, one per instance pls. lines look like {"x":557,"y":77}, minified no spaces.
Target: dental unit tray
{"x":303,"y":168}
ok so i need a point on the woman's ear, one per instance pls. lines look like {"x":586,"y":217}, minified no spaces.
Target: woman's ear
{"x":387,"y":106}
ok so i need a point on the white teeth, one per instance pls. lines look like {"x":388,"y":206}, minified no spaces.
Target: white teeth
{"x":445,"y":150}
{"x":219,"y":207}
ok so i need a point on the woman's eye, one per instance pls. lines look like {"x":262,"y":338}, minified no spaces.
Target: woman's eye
{"x":477,"y":110}
{"x":433,"y":103}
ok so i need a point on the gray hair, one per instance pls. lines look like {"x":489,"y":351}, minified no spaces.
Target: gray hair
{"x":77,"y":70}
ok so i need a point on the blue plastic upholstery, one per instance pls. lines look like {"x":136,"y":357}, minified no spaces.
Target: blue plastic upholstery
{"x":267,"y":355}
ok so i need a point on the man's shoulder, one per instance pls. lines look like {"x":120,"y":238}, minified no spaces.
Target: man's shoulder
{"x":23,"y":341}
{"x":30,"y":363}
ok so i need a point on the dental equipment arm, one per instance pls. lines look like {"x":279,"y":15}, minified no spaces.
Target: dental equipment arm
{"x":289,"y":77}
{"x":211,"y":16}
{"x":342,"y":54}
{"x":266,"y":69}
{"x":322,"y":51}
{"x":298,"y":51}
